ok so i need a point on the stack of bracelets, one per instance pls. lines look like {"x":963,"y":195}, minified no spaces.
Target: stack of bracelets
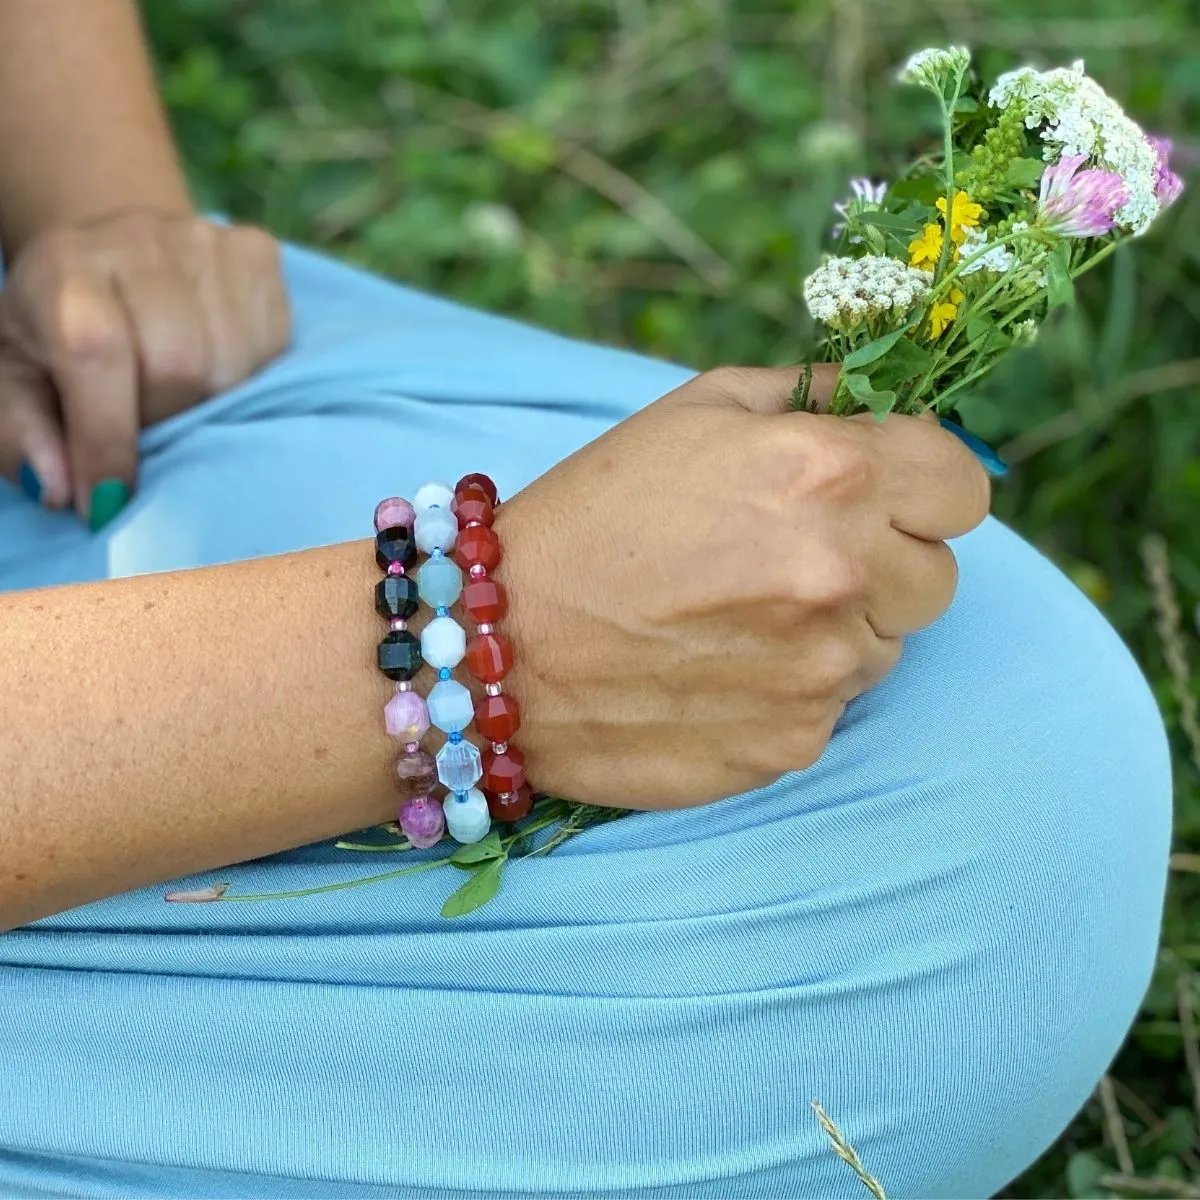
{"x":437,"y":522}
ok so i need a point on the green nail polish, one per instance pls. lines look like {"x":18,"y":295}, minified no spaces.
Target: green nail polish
{"x":109,"y":496}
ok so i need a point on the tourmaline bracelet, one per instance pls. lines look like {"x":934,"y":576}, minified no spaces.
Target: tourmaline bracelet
{"x":405,"y":715}
{"x":443,"y":645}
{"x":490,"y":654}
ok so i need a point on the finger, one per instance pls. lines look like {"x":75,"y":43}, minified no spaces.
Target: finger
{"x":768,"y":390}
{"x":931,"y":485}
{"x":913,"y":583}
{"x":243,"y":294}
{"x":33,"y":452}
{"x":92,"y":359}
{"x":171,"y":341}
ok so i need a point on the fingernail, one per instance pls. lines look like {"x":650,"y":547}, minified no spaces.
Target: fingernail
{"x":109,"y":496}
{"x":31,"y":485}
{"x":993,"y":464}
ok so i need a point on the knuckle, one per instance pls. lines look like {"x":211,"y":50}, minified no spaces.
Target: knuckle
{"x":841,"y":464}
{"x":89,"y":329}
{"x":724,"y":380}
{"x":831,"y":666}
{"x":253,"y":243}
{"x":827,"y":578}
{"x":174,"y":359}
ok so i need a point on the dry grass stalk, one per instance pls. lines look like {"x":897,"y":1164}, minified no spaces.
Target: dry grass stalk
{"x":1169,"y":626}
{"x":847,"y":1153}
{"x":1159,"y":1187}
{"x":1114,"y":1124}
{"x":1187,"y":1025}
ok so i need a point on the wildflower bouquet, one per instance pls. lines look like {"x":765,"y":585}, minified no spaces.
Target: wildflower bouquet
{"x":939,"y":274}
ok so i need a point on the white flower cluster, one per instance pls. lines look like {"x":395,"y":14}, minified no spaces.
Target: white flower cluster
{"x":1079,"y":117}
{"x":847,"y":292}
{"x":997,"y":259}
{"x":931,"y":68}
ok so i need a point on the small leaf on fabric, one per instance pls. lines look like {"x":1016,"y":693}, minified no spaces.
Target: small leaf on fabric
{"x":477,"y":891}
{"x":477,"y":852}
{"x":198,"y":896}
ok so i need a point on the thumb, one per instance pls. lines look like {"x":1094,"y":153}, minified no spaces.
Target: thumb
{"x":33,"y":452}
{"x":770,"y":390}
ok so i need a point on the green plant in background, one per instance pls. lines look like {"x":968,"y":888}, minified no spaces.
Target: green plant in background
{"x":659,"y":173}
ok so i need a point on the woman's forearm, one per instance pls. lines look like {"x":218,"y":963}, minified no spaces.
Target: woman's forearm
{"x":82,"y":132}
{"x":162,"y":725}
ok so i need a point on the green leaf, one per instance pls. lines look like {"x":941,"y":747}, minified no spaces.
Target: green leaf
{"x":477,"y":852}
{"x":1024,"y":172}
{"x":905,"y":360}
{"x":1060,"y":288}
{"x":872,"y":350}
{"x":978,"y":327}
{"x":900,"y":222}
{"x":477,"y":891}
{"x":1083,"y":1174}
{"x":880,"y":403}
{"x":923,"y":190}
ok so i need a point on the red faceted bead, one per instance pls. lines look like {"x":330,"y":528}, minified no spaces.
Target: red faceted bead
{"x":485,"y":601}
{"x":512,"y":807}
{"x":477,"y":544}
{"x":489,"y":657}
{"x":503,"y":772}
{"x":471,"y":504}
{"x":479,"y":480}
{"x":497,"y":717}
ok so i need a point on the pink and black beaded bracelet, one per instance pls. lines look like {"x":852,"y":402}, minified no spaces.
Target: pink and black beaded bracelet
{"x":406,"y":715}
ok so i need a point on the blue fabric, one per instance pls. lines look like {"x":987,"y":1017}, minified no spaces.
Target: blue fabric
{"x":941,"y":931}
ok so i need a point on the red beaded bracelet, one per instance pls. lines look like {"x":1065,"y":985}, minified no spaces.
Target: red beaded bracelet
{"x":490,"y":654}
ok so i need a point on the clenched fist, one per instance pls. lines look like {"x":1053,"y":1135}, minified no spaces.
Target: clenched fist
{"x":111,"y":325}
{"x":699,"y":593}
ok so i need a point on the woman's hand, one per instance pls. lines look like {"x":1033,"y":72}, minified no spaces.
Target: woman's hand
{"x":697,"y":595}
{"x":114,"y":324}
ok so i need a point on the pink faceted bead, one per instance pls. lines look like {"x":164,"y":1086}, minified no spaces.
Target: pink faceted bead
{"x":406,"y":716}
{"x":395,"y":568}
{"x":478,"y":571}
{"x":422,"y":821}
{"x":395,"y":510}
{"x":397,"y":623}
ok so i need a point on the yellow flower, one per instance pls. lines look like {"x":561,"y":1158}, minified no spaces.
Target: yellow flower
{"x":926,"y":248}
{"x":964,"y":215}
{"x":943,"y":313}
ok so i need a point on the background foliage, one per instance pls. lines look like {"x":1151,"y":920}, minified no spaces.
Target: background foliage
{"x":658,"y":173}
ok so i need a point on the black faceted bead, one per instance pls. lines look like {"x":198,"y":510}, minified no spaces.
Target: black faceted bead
{"x":400,"y":655}
{"x":396,"y":544}
{"x":396,"y":596}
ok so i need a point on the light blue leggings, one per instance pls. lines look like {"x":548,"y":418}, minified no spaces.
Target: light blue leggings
{"x":941,"y":931}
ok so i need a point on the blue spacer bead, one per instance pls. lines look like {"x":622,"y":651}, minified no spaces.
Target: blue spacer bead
{"x":442,"y":611}
{"x":455,"y":737}
{"x":460,"y":796}
{"x":437,"y":552}
{"x":445,"y":673}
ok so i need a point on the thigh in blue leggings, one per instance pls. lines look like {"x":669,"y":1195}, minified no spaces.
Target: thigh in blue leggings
{"x":941,"y":931}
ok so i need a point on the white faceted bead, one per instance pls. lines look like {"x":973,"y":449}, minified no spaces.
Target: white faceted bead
{"x":435,"y":529}
{"x":443,"y":643}
{"x":450,"y":706}
{"x":431,"y":494}
{"x":467,"y":816}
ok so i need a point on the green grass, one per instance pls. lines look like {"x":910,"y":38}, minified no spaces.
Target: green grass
{"x":658,"y":173}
